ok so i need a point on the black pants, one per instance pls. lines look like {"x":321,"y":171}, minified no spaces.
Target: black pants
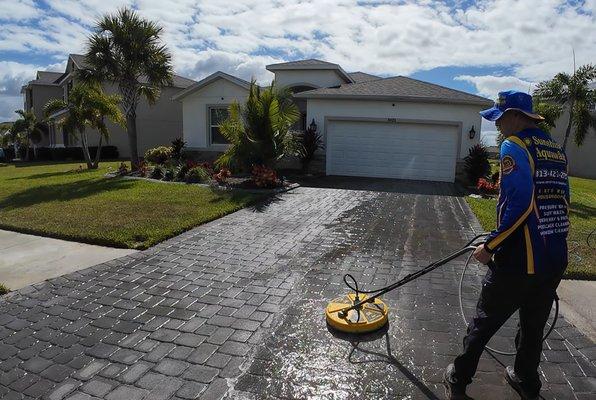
{"x":502,"y":294}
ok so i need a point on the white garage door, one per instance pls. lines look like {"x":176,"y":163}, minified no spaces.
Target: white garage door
{"x":392,"y":150}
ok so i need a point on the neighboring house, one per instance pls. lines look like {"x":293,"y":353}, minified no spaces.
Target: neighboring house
{"x":158,"y":124}
{"x":37,"y":93}
{"x":394,"y":127}
{"x":582,"y":159}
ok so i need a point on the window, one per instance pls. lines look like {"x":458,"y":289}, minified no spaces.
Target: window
{"x":216,"y":116}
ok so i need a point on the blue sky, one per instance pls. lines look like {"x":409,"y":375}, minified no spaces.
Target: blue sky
{"x":480,"y":47}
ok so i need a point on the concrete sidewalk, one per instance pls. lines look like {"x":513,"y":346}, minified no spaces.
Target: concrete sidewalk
{"x":578,"y":305}
{"x":28,"y":259}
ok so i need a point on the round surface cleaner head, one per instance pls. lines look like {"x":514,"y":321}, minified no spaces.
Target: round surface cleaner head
{"x":370,"y":317}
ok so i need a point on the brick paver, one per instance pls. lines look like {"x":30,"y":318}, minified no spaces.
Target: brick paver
{"x":234,"y":309}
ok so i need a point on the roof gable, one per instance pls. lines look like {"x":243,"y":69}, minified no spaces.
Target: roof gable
{"x":208,"y":80}
{"x":398,"y":88}
{"x":310,"y":64}
{"x":49,"y":77}
{"x":359,"y":77}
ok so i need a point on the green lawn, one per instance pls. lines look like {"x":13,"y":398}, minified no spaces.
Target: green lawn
{"x":55,"y":200}
{"x":582,"y":255}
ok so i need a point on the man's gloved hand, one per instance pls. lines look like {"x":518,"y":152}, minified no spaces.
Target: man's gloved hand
{"x":482,"y":255}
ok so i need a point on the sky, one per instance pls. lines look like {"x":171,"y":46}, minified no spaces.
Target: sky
{"x":481,"y":47}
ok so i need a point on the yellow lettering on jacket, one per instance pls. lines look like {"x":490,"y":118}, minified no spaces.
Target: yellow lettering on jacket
{"x":550,"y":155}
{"x":546,"y":142}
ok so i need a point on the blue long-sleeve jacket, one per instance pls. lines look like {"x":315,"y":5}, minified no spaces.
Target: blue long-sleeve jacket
{"x":532,"y":211}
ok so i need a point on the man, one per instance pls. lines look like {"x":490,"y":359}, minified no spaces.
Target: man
{"x":526,"y":254}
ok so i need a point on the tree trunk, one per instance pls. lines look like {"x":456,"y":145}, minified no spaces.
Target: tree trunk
{"x":131,"y":130}
{"x":34,"y":151}
{"x":27,"y":149}
{"x":86,"y":154}
{"x":98,"y":154}
{"x":569,"y":123}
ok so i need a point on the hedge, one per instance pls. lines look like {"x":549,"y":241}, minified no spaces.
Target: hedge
{"x":62,"y":153}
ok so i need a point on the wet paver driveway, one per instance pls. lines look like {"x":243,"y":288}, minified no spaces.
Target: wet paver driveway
{"x":233,"y":309}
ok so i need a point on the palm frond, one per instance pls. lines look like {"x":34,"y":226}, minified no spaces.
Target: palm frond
{"x":53,"y":106}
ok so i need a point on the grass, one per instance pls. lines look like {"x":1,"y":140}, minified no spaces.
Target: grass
{"x":582,"y":213}
{"x":53,"y":199}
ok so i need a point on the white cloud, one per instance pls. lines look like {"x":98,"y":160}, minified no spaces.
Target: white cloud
{"x":18,"y":10}
{"x":533,"y":38}
{"x":237,"y":64}
{"x":14,"y":75}
{"x":489,"y":85}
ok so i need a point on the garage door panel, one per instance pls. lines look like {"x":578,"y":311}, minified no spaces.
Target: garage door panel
{"x":404,"y":151}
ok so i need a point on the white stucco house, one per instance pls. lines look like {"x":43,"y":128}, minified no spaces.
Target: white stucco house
{"x":582,"y":162}
{"x":395,"y":127}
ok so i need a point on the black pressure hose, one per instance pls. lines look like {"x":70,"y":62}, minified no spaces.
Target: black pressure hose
{"x":470,"y":246}
{"x":463,"y":315}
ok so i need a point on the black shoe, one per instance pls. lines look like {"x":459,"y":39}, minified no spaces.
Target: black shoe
{"x":516,"y":384}
{"x":453,"y":390}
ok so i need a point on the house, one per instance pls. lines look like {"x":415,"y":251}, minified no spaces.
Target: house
{"x":157,"y":124}
{"x":395,"y":127}
{"x":582,"y":162}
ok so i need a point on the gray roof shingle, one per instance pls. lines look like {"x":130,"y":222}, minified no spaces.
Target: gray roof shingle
{"x":397,"y":88}
{"x":363,"y":77}
{"x":309,"y":62}
{"x":47,"y":76}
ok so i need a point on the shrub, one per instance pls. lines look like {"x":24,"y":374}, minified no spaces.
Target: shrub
{"x":168,"y":174}
{"x":208,"y":167}
{"x":485,"y":186}
{"x":158,"y":155}
{"x":178,"y":146}
{"x":307,"y":144}
{"x":222,"y":176}
{"x":142,"y":169}
{"x":181,"y":170}
{"x":157,"y":172}
{"x":476,"y":163}
{"x":3,"y":289}
{"x":259,"y":130}
{"x":197,"y":175}
{"x":9,"y":153}
{"x":264,"y":177}
{"x":122,"y":169}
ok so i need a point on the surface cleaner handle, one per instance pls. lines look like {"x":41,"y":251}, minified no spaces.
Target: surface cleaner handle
{"x":471,"y":246}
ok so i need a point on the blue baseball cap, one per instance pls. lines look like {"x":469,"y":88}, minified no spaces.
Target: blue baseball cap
{"x":511,"y":100}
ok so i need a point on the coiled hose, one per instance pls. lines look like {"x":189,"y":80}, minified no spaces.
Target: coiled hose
{"x":463,"y":315}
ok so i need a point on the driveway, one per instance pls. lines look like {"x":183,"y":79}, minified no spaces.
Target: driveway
{"x":28,"y":259}
{"x":234,"y":309}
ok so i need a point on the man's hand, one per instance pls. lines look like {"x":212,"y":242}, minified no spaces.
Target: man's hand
{"x":482,"y":255}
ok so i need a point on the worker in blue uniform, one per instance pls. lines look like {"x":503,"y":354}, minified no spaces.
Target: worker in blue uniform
{"x":526,"y":254}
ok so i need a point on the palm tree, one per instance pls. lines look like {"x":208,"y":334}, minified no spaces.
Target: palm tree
{"x":87,"y":107}
{"x":572,"y":92}
{"x":259,"y":130}
{"x":29,"y":129}
{"x":126,"y":49}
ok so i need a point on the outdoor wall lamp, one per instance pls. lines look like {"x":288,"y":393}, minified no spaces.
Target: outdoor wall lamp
{"x":313,"y":125}
{"x":472,"y":133}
